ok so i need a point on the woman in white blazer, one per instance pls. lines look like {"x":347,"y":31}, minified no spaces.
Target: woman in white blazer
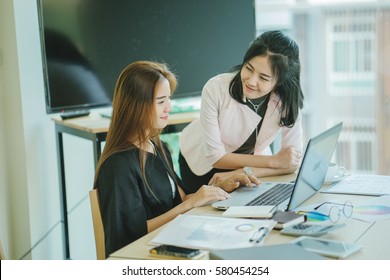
{"x":242,"y":113}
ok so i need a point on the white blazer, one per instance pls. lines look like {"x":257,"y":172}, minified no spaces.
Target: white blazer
{"x":225,"y":124}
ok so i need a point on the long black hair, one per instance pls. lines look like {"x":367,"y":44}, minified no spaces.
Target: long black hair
{"x":283,"y":53}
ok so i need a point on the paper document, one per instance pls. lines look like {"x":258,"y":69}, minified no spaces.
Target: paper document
{"x":214,"y":233}
{"x":362,"y":185}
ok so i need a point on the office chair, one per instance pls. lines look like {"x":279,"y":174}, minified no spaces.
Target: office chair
{"x":97,"y":224}
{"x":2,"y":256}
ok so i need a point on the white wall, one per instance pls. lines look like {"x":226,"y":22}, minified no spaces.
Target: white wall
{"x":13,"y":159}
{"x":29,"y":191}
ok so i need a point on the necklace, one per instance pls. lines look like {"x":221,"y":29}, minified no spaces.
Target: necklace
{"x":256,"y":107}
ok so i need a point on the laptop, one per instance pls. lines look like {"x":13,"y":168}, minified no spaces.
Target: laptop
{"x":288,"y":196}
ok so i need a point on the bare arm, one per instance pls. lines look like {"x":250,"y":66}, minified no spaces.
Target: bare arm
{"x":236,"y":161}
{"x":287,"y":158}
{"x":257,"y":172}
{"x":204,"y":195}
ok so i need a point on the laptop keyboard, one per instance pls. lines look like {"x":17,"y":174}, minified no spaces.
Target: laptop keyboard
{"x":273,"y":196}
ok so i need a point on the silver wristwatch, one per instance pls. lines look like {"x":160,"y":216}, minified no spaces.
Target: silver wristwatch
{"x":247,"y":170}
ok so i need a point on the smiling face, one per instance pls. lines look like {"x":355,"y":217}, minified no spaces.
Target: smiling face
{"x":162,"y":102}
{"x":257,"y":77}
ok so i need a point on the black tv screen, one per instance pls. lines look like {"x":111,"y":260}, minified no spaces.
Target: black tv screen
{"x":86,"y":44}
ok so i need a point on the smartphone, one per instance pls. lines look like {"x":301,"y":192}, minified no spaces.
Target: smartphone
{"x":330,"y":248}
{"x":174,"y":251}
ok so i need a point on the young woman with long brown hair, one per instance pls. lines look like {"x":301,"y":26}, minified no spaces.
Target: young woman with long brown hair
{"x":138,"y":188}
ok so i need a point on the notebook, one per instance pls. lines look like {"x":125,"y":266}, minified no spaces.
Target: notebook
{"x":288,"y":196}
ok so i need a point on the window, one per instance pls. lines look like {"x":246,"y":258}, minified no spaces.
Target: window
{"x":345,"y":57}
{"x":351,"y":47}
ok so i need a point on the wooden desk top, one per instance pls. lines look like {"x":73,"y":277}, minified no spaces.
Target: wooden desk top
{"x":371,"y":235}
{"x":95,"y":123}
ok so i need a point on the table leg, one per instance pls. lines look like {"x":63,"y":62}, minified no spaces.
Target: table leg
{"x":64,"y":206}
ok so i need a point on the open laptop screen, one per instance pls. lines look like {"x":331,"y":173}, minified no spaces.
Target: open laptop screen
{"x":312,"y":173}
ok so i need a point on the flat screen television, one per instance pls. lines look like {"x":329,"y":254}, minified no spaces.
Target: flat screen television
{"x":87,"y":43}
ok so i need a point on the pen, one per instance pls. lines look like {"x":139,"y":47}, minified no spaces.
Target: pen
{"x":257,"y":233}
{"x":332,"y":227}
{"x":265,"y":231}
{"x":314,"y":216}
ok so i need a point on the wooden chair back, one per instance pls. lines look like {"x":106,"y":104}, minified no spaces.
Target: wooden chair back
{"x":97,"y":224}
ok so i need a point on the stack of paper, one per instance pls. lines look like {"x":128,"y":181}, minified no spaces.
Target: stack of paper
{"x":212,"y":233}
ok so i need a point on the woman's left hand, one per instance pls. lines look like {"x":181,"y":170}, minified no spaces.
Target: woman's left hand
{"x":236,"y":180}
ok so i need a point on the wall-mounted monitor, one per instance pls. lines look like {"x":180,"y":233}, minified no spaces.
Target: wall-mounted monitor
{"x":86,"y":44}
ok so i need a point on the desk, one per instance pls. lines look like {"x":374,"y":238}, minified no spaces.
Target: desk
{"x":94,"y":128}
{"x":370,"y":235}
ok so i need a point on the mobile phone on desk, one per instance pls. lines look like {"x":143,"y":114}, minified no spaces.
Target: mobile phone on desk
{"x":330,"y":248}
{"x":169,"y":251}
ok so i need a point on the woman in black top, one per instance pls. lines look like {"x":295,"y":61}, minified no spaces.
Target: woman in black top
{"x":138,"y":188}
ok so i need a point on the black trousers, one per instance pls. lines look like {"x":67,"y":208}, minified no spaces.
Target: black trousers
{"x":191,"y":181}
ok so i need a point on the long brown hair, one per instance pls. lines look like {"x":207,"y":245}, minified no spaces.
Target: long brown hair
{"x":133,"y":112}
